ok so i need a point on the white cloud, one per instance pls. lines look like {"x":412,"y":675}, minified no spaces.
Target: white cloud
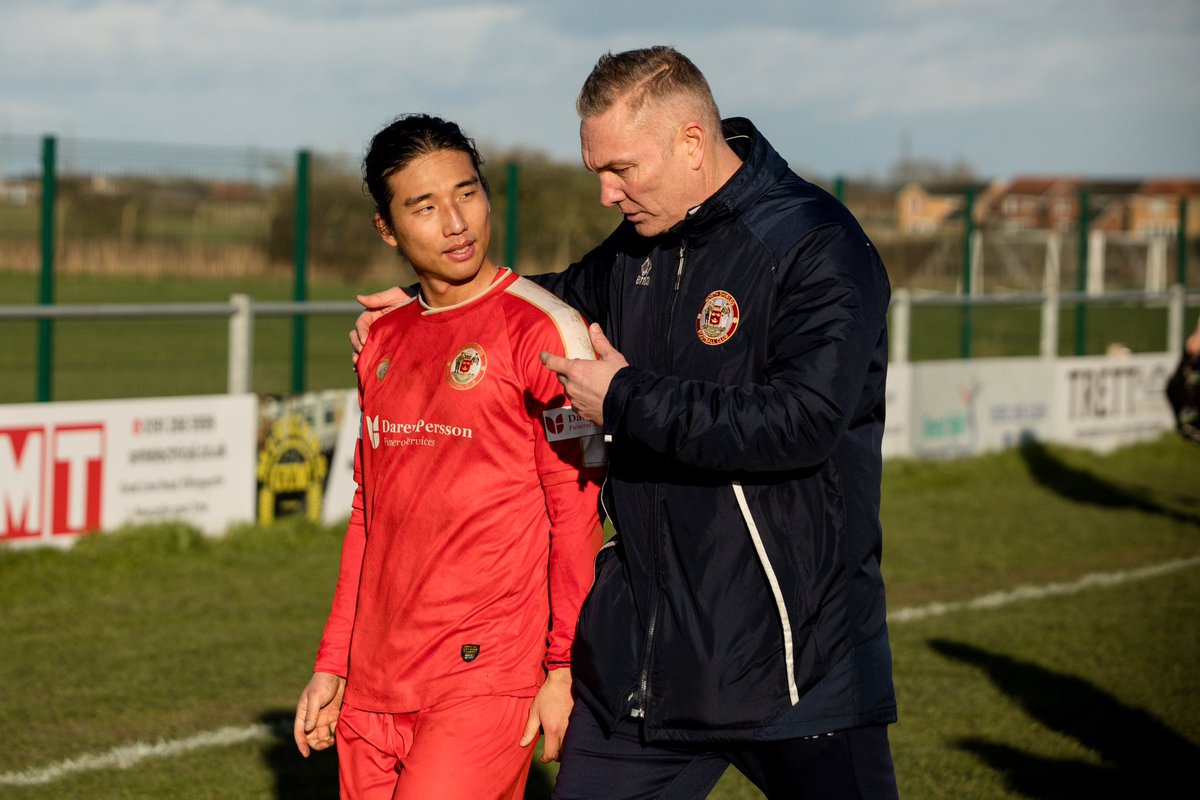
{"x":326,"y":74}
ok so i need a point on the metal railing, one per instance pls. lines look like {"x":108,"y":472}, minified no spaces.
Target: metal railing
{"x":241,"y":311}
{"x":1175,"y":299}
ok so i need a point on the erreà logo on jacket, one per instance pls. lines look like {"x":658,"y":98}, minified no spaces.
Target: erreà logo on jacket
{"x":644,"y":278}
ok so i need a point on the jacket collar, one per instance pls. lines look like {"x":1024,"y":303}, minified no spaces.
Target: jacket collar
{"x":761,"y":168}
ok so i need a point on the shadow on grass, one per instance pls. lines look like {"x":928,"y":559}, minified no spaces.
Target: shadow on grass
{"x":296,"y":777}
{"x":316,"y":777}
{"x":1141,"y":756}
{"x":1081,"y":486}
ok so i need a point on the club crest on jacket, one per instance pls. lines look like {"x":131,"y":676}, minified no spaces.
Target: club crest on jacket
{"x":718,"y":318}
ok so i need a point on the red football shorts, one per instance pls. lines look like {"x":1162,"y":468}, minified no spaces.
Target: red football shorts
{"x":467,"y":748}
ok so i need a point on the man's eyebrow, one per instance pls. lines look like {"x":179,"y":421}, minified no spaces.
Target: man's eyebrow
{"x":413,"y":201}
{"x":616,"y":163}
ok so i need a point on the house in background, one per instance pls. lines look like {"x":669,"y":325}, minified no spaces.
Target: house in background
{"x":1035,"y":203}
{"x":1042,"y":203}
{"x":1154,"y":207}
{"x":928,"y":208}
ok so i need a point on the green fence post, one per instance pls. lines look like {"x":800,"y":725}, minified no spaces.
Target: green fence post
{"x":839,"y":189}
{"x":1081,"y":277}
{"x":1181,"y":233}
{"x":45,"y":370}
{"x":1181,"y":276}
{"x":300,"y":295}
{"x":965,"y":332}
{"x":510,"y":216}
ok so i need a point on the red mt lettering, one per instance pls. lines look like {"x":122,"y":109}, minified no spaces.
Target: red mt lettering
{"x":22,"y":495}
{"x":51,"y":480}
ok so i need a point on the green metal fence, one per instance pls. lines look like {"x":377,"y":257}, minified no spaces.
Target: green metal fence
{"x":85,"y":221}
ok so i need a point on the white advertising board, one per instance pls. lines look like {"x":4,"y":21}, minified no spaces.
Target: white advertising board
{"x":339,"y":493}
{"x":1102,"y":402}
{"x":960,"y":408}
{"x":896,"y":440}
{"x":72,"y":467}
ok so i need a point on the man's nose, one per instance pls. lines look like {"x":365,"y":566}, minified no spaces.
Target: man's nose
{"x":610,"y":192}
{"x":454,"y":222}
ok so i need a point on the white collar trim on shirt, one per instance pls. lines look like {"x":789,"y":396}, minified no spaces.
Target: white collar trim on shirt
{"x":501,"y":274}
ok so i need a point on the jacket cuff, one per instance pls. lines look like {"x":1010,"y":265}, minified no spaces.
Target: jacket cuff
{"x":617,"y":398}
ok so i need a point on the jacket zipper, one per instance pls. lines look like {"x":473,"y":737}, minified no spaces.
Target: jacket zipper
{"x":671,"y":309}
{"x":642,"y":698}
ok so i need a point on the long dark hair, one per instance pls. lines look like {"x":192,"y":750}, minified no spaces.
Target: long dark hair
{"x":407,"y":138}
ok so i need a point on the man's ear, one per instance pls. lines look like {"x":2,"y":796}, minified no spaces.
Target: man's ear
{"x":693,"y":142}
{"x":385,"y":230}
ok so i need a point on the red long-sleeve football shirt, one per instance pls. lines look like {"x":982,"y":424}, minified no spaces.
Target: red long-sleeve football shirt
{"x":474,"y":528}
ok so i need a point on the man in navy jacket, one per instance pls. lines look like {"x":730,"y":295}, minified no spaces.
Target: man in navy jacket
{"x":738,"y":615}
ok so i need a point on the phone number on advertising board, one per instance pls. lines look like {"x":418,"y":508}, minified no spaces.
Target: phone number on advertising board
{"x":184,"y":423}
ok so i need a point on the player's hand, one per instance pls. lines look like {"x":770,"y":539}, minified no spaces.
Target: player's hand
{"x":586,"y":380}
{"x":550,"y":711}
{"x":376,"y":306}
{"x":317,"y":712}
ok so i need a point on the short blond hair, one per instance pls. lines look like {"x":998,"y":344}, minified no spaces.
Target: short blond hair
{"x":648,"y":76}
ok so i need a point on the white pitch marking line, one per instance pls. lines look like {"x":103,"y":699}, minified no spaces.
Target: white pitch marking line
{"x":1021,"y":593}
{"x":127,"y":756}
{"x":130,"y":755}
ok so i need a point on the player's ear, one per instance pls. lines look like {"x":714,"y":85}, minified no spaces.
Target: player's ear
{"x":385,"y":230}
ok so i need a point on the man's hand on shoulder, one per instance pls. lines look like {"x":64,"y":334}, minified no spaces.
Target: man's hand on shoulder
{"x":376,"y":306}
{"x":586,"y":380}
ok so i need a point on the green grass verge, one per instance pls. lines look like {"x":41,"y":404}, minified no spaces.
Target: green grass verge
{"x":160,"y":633}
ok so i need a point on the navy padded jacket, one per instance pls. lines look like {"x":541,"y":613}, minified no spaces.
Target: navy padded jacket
{"x":742,"y":595}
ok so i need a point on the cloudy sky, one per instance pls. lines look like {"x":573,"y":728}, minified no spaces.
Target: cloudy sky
{"x":1093,"y":87}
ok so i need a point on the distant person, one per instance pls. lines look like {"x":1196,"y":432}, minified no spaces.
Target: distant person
{"x":474,"y":526}
{"x":1183,"y":389}
{"x":739,"y":615}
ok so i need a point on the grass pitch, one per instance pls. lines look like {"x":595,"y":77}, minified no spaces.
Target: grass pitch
{"x":160,"y":634}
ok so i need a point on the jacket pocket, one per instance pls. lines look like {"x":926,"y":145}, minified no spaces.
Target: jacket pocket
{"x":776,"y":582}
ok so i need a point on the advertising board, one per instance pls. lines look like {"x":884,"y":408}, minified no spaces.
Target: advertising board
{"x":961,"y":408}
{"x":1104,"y":402}
{"x":896,"y":439}
{"x":73,"y":467}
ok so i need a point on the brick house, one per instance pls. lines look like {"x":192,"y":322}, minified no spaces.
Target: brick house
{"x":1154,"y":207}
{"x":922,"y":209}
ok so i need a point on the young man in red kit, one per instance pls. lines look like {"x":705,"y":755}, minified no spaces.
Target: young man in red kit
{"x":474,"y":526}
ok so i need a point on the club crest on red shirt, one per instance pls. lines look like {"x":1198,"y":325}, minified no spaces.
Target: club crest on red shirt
{"x":466,"y":369}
